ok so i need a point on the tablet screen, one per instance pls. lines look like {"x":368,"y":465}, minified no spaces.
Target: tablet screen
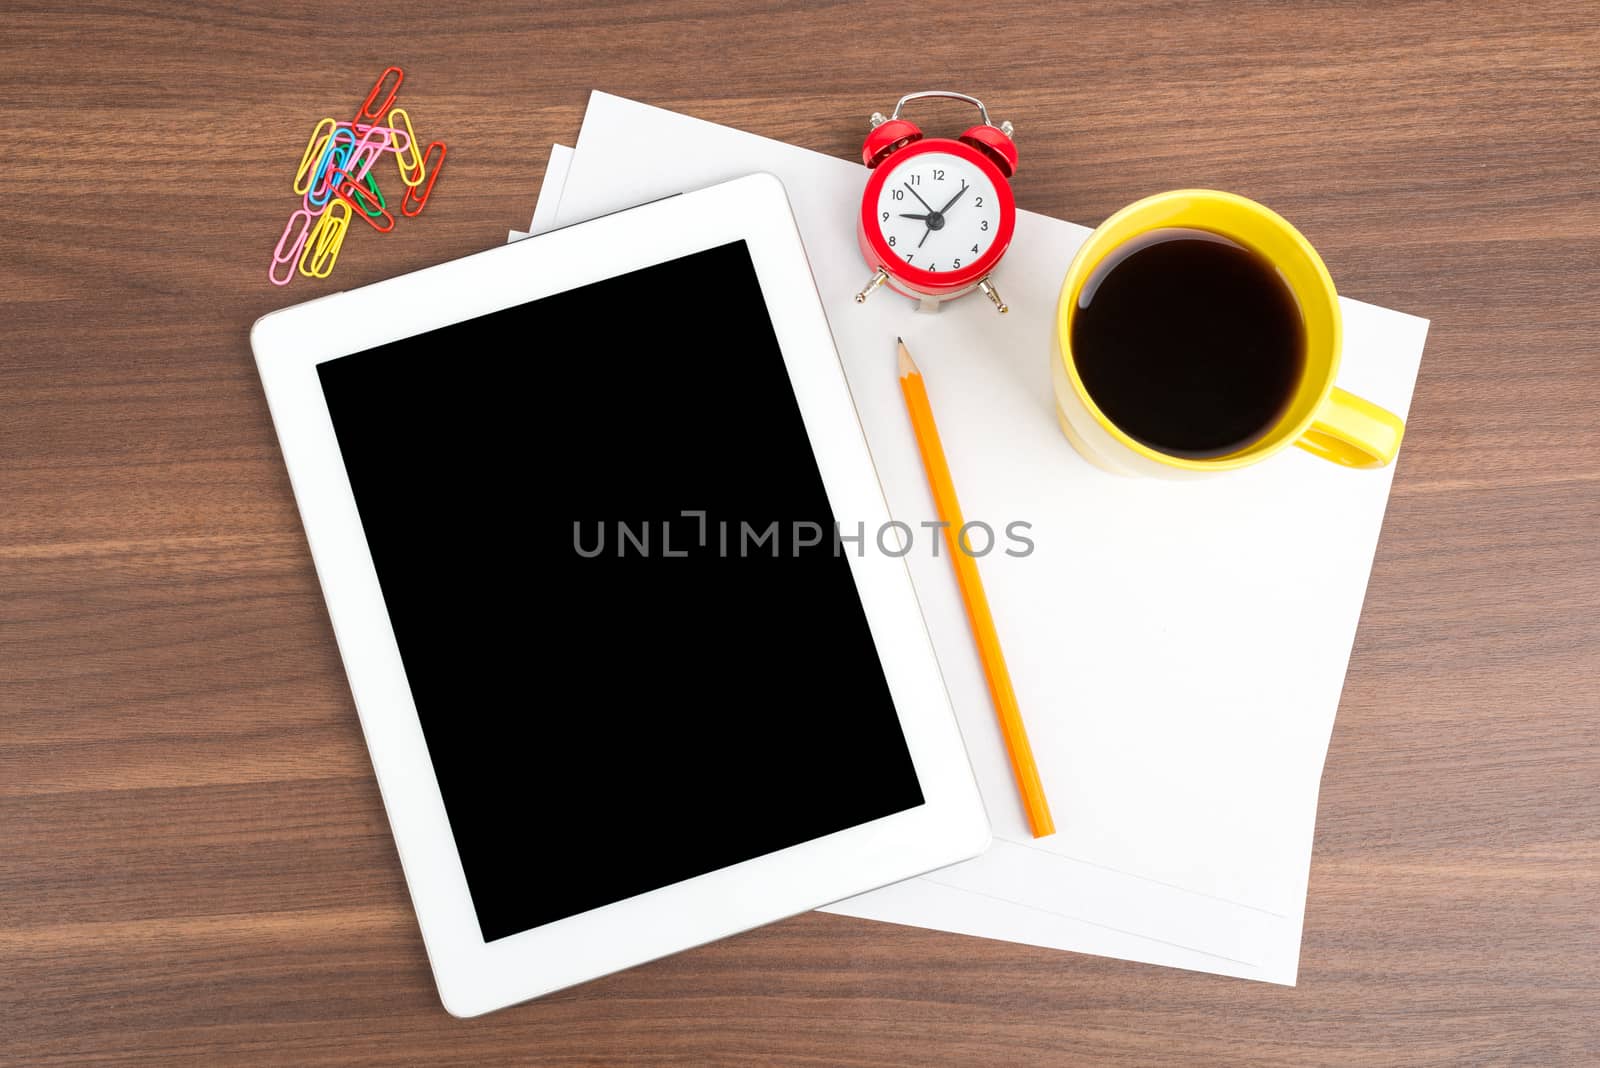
{"x":631,"y":633}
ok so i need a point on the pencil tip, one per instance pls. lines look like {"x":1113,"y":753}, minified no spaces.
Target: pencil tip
{"x":908,"y":366}
{"x":899,"y":340}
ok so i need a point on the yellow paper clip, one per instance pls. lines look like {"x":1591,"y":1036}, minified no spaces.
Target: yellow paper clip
{"x":414,"y":167}
{"x":308,"y":162}
{"x":325,"y":240}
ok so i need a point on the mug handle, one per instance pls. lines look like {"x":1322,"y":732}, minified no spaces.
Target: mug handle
{"x":1352,"y":431}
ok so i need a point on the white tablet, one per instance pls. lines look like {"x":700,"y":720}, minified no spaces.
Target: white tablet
{"x":600,"y":539}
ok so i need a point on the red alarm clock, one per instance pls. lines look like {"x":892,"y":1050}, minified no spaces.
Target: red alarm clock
{"x":937,"y":214}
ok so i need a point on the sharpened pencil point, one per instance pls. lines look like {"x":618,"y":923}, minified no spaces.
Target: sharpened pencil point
{"x":908,"y":366}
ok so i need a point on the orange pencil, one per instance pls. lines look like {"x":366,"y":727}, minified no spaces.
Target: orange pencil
{"x":978,"y":615}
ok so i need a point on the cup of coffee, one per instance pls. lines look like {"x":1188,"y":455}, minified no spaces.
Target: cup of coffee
{"x":1199,"y":332}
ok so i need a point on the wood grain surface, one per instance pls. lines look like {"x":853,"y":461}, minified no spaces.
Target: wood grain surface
{"x":194,"y":863}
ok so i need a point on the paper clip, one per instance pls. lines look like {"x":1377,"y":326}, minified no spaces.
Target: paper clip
{"x":366,"y":152}
{"x":321,"y":192}
{"x":399,"y":140}
{"x":415,"y":166}
{"x":362,"y":203}
{"x":286,"y":257}
{"x":411,"y":204}
{"x":372,"y":186}
{"x":370,"y":208}
{"x":370,"y":114}
{"x":367,"y":133}
{"x":323,"y":243}
{"x":314,"y":147}
{"x":334,"y":157}
{"x":316,"y":189}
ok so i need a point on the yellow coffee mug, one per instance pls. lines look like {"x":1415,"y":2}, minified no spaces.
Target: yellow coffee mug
{"x":1320,"y":417}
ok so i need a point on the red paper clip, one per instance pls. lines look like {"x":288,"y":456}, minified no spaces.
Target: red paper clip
{"x":362,"y":203}
{"x":416,"y":198}
{"x":370,"y":115}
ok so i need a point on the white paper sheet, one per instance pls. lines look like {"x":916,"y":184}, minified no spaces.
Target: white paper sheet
{"x":550,"y":193}
{"x":1178,"y":656}
{"x":926,"y":903}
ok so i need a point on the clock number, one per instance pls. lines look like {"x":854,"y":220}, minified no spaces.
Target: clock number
{"x":908,"y":257}
{"x":916,"y":179}
{"x":891,"y":241}
{"x":974,"y":248}
{"x":978,"y":203}
{"x":938,"y":175}
{"x":957,"y":266}
{"x":984,"y":225}
{"x":933,"y":266}
{"x":899,"y":194}
{"x":885,"y":216}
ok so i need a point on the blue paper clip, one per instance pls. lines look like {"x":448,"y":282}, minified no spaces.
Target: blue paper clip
{"x":334,"y":158}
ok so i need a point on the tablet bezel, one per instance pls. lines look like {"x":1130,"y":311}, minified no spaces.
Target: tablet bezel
{"x":474,"y":976}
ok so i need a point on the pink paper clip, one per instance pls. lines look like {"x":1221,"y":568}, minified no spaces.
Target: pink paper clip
{"x":416,"y":198}
{"x":287,"y":257}
{"x":366,"y":152}
{"x":372,"y":115}
{"x":398,"y":139}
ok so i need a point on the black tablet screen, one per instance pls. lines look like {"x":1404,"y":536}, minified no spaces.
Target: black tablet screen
{"x":616,"y":695}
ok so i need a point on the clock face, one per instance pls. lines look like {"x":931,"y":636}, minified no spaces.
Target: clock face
{"x":938,"y":211}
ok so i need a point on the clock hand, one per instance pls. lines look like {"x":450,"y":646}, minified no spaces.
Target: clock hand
{"x":918,"y":196}
{"x":959,"y":194}
{"x":925,"y":234}
{"x":919,"y":218}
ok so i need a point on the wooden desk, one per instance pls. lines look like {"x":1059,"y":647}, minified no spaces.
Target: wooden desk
{"x":194,"y":864}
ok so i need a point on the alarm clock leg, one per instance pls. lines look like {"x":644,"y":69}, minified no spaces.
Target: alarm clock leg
{"x":877,"y":280}
{"x":993,"y":294}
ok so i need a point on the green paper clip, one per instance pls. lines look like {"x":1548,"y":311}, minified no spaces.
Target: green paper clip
{"x":372,"y":184}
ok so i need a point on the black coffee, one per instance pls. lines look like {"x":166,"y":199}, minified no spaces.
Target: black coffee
{"x":1190,"y":342}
